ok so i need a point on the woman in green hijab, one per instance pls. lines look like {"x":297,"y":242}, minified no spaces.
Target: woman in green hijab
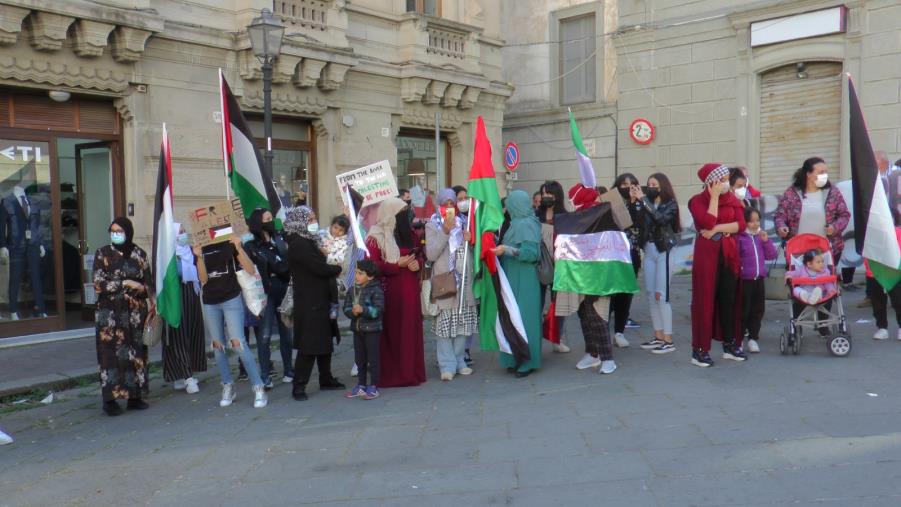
{"x":519,"y":254}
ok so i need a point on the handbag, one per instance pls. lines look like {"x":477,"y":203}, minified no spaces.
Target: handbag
{"x":253,"y":291}
{"x":153,"y":331}
{"x":286,"y":310}
{"x":774,"y":283}
{"x":444,"y":286}
{"x":545,"y":266}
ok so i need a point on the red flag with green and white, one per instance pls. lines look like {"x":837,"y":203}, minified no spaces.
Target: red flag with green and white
{"x":500,"y":323}
{"x":249,"y":177}
{"x":165,"y":261}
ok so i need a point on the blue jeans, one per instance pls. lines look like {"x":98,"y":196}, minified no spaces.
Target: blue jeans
{"x":230,"y":315}
{"x":451,"y":354}
{"x":268,"y":322}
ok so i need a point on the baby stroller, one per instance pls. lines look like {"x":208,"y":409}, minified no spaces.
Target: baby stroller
{"x":820,"y":316}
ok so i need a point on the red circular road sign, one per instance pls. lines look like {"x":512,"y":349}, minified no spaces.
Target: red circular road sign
{"x":511,"y":156}
{"x":642,"y":131}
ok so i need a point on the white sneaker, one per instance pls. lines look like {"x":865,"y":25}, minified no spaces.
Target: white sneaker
{"x":620,"y":340}
{"x":260,"y":400}
{"x":588,"y":361}
{"x":815,"y":295}
{"x":753,"y":346}
{"x":882,"y":334}
{"x":354,"y":371}
{"x":607,"y":367}
{"x":465,"y":371}
{"x":287,"y":380}
{"x":228,"y":395}
{"x":179,"y":385}
{"x":561,"y":348}
{"x":5,"y":439}
{"x":191,"y":386}
{"x":446,"y":376}
{"x":899,"y":335}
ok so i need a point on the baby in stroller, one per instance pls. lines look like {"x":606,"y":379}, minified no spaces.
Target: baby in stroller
{"x":813,"y":268}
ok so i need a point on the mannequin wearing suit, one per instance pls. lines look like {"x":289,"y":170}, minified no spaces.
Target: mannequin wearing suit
{"x":20,"y":246}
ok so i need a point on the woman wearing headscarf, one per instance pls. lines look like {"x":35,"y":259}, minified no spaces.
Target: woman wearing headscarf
{"x":184,"y":351}
{"x":313,"y":279}
{"x":268,"y":252}
{"x":519,"y":253}
{"x":124,"y":288}
{"x":565,"y":303}
{"x":446,"y":245}
{"x":715,"y":303}
{"x":394,"y":249}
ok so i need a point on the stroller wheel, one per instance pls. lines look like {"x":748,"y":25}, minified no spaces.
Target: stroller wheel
{"x":796,"y":344}
{"x":839,"y":345}
{"x":783,"y":340}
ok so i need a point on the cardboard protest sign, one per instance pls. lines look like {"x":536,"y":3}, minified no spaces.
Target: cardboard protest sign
{"x":217,"y":223}
{"x":618,"y":206}
{"x":375,"y":182}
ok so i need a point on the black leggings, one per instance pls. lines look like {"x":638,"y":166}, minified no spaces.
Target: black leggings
{"x":726,"y":290}
{"x":621,"y":304}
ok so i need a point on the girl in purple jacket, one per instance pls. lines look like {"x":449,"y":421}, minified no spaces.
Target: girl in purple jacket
{"x":754,"y":248}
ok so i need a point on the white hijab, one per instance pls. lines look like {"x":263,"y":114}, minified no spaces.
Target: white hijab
{"x":186,"y":262}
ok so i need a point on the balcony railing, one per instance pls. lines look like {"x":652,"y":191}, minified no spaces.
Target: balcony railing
{"x":306,"y":13}
{"x":446,"y":43}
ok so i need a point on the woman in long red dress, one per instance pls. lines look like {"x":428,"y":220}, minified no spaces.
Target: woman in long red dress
{"x":715,"y":305}
{"x":393,"y":247}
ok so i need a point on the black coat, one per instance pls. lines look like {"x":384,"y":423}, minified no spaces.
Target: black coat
{"x":312,"y":278}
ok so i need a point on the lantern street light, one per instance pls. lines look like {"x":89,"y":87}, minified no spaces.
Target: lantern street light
{"x":266,"y":42}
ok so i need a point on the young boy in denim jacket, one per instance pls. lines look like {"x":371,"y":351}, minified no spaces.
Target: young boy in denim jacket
{"x":365,"y":305}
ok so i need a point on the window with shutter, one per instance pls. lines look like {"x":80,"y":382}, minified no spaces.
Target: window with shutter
{"x":577,"y":60}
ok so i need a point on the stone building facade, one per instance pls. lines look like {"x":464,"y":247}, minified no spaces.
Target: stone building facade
{"x":88,"y":85}
{"x":690,"y":69}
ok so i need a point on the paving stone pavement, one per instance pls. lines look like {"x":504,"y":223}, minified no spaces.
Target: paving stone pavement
{"x":794,"y":430}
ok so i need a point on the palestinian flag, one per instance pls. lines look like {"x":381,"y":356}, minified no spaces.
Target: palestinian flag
{"x":249,"y":177}
{"x":165,"y":262}
{"x":591,"y":255}
{"x":874,"y":229}
{"x":586,"y":170}
{"x":500,"y":323}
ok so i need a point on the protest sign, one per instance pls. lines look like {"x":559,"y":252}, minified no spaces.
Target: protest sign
{"x":217,"y":223}
{"x":375,"y":182}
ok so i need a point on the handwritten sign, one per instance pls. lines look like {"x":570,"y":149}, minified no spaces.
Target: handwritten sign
{"x":375,"y":182}
{"x":217,"y":223}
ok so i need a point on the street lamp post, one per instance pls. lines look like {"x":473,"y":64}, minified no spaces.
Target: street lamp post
{"x":266,"y":42}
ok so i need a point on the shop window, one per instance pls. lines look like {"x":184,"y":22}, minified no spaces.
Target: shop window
{"x":578,"y":60}
{"x":293,"y":159}
{"x":418,"y":171}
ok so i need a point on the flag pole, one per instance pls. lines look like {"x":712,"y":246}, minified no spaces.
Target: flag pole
{"x":224,"y":126}
{"x":465,"y":257}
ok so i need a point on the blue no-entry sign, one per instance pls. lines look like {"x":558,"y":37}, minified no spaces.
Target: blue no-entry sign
{"x":511,"y":156}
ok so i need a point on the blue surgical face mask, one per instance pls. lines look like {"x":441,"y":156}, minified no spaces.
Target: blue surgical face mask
{"x":246,"y":237}
{"x":117,"y":238}
{"x":183,"y":239}
{"x":313,"y":228}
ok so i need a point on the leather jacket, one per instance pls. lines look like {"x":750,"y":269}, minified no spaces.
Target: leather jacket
{"x":659,"y":226}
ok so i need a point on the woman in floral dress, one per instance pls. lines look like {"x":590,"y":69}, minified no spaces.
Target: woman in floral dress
{"x":124,"y":289}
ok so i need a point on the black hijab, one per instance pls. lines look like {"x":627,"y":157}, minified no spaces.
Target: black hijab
{"x":403,"y":230}
{"x":127,"y":247}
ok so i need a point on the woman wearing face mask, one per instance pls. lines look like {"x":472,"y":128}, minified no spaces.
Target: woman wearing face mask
{"x":566,"y":303}
{"x":124,"y":289}
{"x":268,"y":251}
{"x":313,"y":281}
{"x":812,"y":205}
{"x":184,"y":352}
{"x":463,"y":204}
{"x":715,"y":305}
{"x":621,"y":304}
{"x":738,"y":183}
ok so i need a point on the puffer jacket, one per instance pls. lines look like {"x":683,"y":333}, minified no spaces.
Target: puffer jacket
{"x":659,"y":225}
{"x":754,"y":253}
{"x":372,"y":299}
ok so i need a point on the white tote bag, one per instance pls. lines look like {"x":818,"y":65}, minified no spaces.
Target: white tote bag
{"x":253,"y":291}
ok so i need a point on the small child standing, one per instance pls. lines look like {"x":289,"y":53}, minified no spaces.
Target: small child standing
{"x":334,"y":246}
{"x":365,"y":305}
{"x":754,"y":247}
{"x":814,"y":267}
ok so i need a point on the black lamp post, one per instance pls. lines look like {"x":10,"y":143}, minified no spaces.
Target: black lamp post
{"x":266,"y":42}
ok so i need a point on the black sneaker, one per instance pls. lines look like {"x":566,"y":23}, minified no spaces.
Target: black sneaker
{"x":631,"y":324}
{"x":137,"y":404}
{"x":734,"y":353}
{"x":112,"y":409}
{"x":468,"y":358}
{"x":666,"y":348}
{"x":652,"y":344}
{"x":702,"y":359}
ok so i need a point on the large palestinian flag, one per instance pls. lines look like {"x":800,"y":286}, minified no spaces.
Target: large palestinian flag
{"x":586,"y":170}
{"x":165,"y":262}
{"x":591,"y":255}
{"x":500,"y":323}
{"x":874,"y":228}
{"x":249,"y":177}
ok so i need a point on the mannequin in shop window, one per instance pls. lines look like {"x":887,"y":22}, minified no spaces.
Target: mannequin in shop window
{"x":21,"y":248}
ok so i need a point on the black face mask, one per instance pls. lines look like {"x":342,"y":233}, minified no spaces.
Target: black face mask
{"x":548,"y":201}
{"x":624,"y":192}
{"x":653,"y":193}
{"x":269,"y":227}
